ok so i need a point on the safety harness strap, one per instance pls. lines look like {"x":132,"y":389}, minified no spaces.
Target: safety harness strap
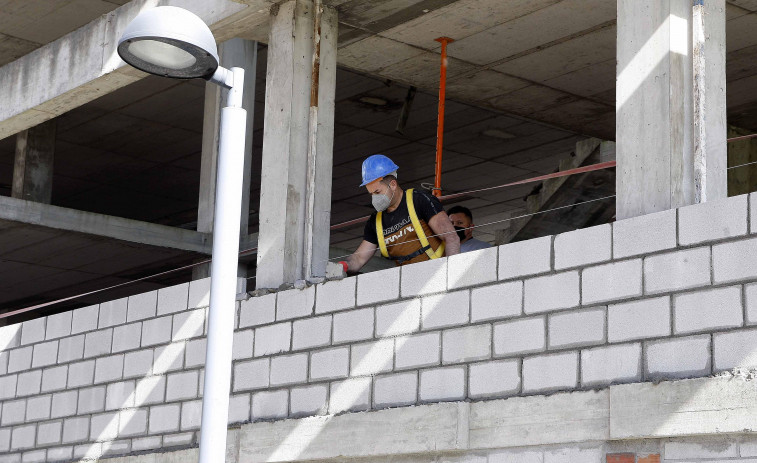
{"x":380,"y":234}
{"x":425,"y":246}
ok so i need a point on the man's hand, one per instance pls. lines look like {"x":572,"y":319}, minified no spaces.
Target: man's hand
{"x":362,"y":254}
{"x":441,"y":226}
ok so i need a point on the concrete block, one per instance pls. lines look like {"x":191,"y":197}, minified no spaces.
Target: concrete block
{"x":677,"y":271}
{"x":678,"y":358}
{"x":178,"y":440}
{"x":71,"y":348}
{"x":467,"y":344}
{"x":150,"y":390}
{"x":156,"y":331}
{"x":735,"y":349}
{"x":257,"y":311}
{"x":4,"y":362}
{"x":577,"y":328}
{"x":493,"y":379}
{"x":22,"y":437}
{"x":199,"y":293}
{"x":251,"y":375}
{"x":574,"y":455}
{"x":164,"y":418}
{"x":29,"y":383}
{"x":84,"y":319}
{"x":273,"y":339}
{"x":188,"y":324}
{"x":142,"y":306}
{"x":58,"y":325}
{"x":648,"y":318}
{"x":98,"y":343}
{"x":372,"y":357}
{"x":33,"y":331}
{"x":524,"y":258}
{"x":181,"y":386}
{"x":243,"y":343}
{"x":194,"y":352}
{"x":127,"y":337}
{"x":707,"y":310}
{"x":60,"y":453}
{"x":34,"y":456}
{"x":104,"y":427}
{"x":81,"y":373}
{"x":173,"y":299}
{"x":609,"y":282}
{"x":38,"y":408}
{"x":75,"y":429}
{"x":329,"y":364}
{"x":503,"y":300}
{"x":45,"y":354}
{"x":5,"y":440}
{"x":13,"y":412}
{"x":712,"y":220}
{"x":644,"y":234}
{"x":138,"y":364}
{"x":8,"y":386}
{"x":353,"y":325}
{"x":289,"y":369}
{"x":10,"y":336}
{"x":311,"y":332}
{"x":423,"y":278}
{"x":112,"y":313}
{"x":395,"y":390}
{"x":54,"y":378}
{"x":378,"y":286}
{"x":295,"y":303}
{"x":748,"y":448}
{"x":611,"y":365}
{"x":309,"y":400}
{"x":239,"y":408}
{"x":516,"y":456}
{"x":335,"y":295}
{"x":49,"y":433}
{"x":353,"y":394}
{"x":550,"y":372}
{"x":735,"y":261}
{"x":132,"y":422}
{"x":472,"y":268}
{"x":520,"y":336}
{"x":168,"y":358}
{"x":398,"y":318}
{"x":109,"y":368}
{"x":442,"y":384}
{"x":750,"y":292}
{"x":417,"y":351}
{"x":64,"y":404}
{"x":268,"y":405}
{"x":20,"y":359}
{"x":120,"y":395}
{"x":582,"y":247}
{"x":551,"y":292}
{"x":701,"y":448}
{"x":191,"y":415}
{"x":450,"y":309}
{"x":91,"y":399}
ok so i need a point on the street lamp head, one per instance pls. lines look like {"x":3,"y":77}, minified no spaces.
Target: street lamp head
{"x":171,"y":42}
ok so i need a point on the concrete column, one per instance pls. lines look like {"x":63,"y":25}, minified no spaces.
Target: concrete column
{"x":656,"y":105}
{"x":295,"y":198}
{"x":33,"y":167}
{"x":244,"y":54}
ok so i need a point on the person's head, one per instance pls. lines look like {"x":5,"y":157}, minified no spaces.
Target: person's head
{"x":462,"y":219}
{"x":380,"y":179}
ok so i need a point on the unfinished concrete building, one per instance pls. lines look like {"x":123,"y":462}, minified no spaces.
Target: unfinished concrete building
{"x":612,"y":320}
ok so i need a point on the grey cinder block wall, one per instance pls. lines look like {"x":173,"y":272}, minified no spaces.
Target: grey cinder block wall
{"x":665,"y":296}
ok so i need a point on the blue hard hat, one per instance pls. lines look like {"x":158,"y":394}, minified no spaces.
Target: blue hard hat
{"x":377,"y":166}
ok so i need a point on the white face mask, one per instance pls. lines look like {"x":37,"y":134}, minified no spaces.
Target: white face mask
{"x":381,"y":201}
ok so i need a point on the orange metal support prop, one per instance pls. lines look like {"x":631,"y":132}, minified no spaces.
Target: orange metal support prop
{"x":440,"y":123}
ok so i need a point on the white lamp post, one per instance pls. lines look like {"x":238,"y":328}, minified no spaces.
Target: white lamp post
{"x":172,"y":42}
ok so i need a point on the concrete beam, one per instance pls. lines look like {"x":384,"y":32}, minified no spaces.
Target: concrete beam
{"x":33,"y":166}
{"x":84,"y":65}
{"x":135,"y":231}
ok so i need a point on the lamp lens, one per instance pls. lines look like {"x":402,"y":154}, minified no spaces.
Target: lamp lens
{"x":162,"y":54}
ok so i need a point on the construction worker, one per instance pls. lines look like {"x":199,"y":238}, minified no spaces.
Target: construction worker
{"x":408,"y":226}
{"x":462,"y":219}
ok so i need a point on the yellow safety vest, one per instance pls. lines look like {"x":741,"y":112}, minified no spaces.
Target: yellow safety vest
{"x":416,"y":225}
